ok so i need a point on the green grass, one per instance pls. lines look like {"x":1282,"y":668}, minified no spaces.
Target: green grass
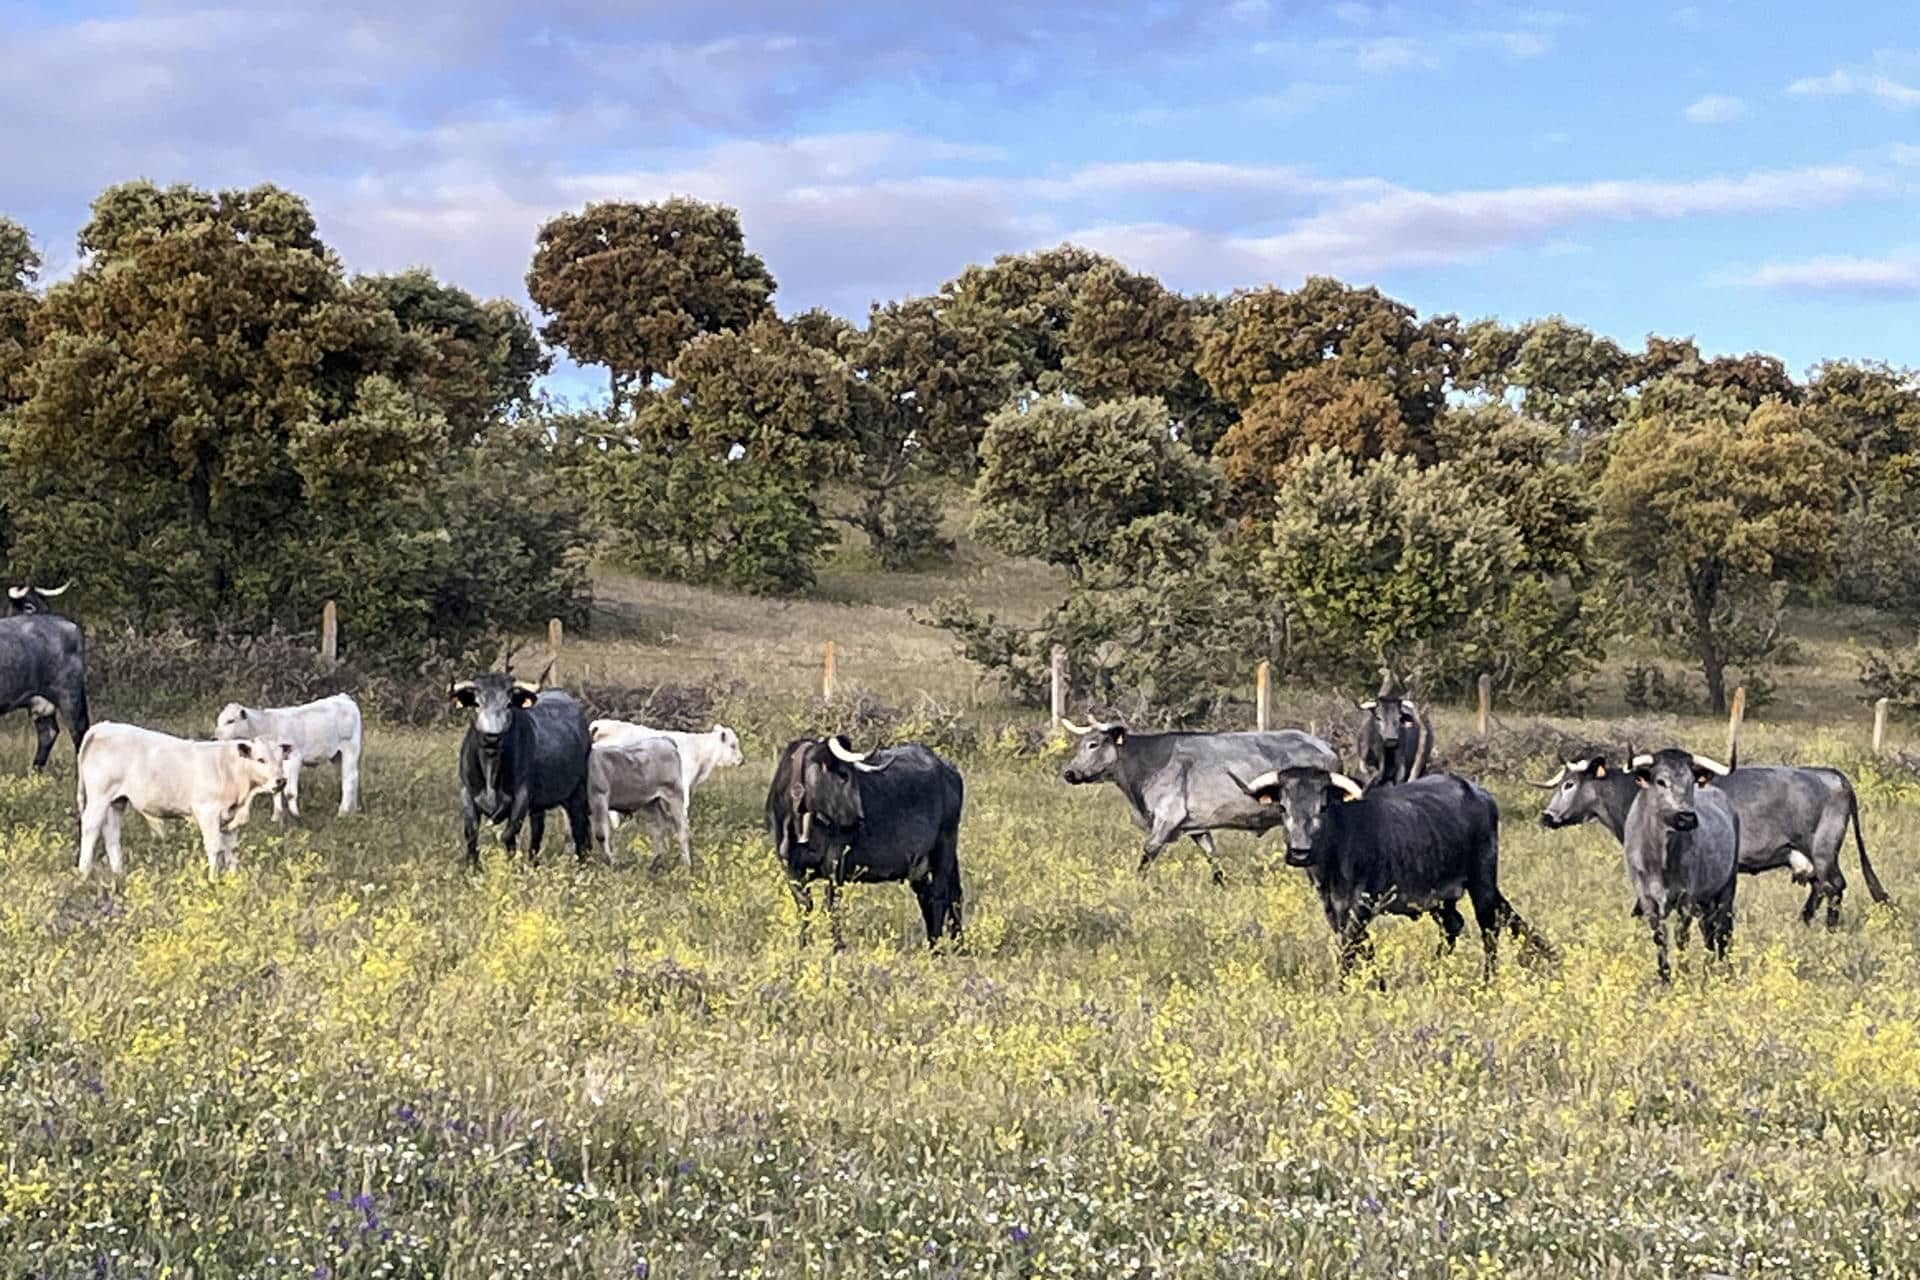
{"x":352,"y":1058}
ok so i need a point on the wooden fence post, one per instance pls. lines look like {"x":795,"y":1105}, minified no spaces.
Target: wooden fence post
{"x":1486,"y":703}
{"x":1263,"y":698}
{"x":556,"y":636}
{"x":826,"y":672}
{"x":1059,"y":683}
{"x":1879,"y":724}
{"x":1734,"y":719}
{"x":330,"y":632}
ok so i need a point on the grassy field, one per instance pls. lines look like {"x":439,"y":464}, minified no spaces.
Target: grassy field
{"x":353,"y":1059}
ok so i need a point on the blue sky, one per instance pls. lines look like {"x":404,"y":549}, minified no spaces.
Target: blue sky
{"x":1743,"y":173}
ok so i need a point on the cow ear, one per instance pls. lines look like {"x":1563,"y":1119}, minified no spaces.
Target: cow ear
{"x":286,"y":751}
{"x":525,"y":697}
{"x":1703,"y":777}
{"x":1599,"y":768}
{"x":1119,"y":737}
{"x":245,"y":749}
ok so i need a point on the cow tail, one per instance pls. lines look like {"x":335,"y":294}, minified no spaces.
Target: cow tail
{"x":1874,"y":886}
{"x":80,"y":774}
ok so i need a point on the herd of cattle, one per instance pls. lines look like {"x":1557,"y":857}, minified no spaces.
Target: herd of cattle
{"x":1407,"y":842}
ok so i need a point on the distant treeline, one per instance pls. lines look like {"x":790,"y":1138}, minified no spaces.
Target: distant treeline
{"x":211,"y":425}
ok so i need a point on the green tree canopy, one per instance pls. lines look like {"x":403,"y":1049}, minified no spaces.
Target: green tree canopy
{"x":628,"y":286}
{"x":1695,"y":506}
{"x":477,"y":360}
{"x":1058,"y":480}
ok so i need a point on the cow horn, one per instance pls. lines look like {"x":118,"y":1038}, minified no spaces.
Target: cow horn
{"x":54,"y":591}
{"x":841,"y":751}
{"x":1353,"y":789}
{"x":18,"y":593}
{"x":1552,"y":782}
{"x":1077,"y":730}
{"x":806,"y":825}
{"x":456,"y":688}
{"x":1271,"y":778}
{"x":526,"y":686}
{"x":1712,"y":766}
{"x":1641,"y":762}
{"x":1368,"y":705}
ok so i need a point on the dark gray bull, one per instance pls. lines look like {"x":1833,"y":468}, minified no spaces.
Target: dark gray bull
{"x":894,"y":814}
{"x":1678,"y":833}
{"x":1180,"y":784}
{"x":1395,"y":743}
{"x":525,"y":752}
{"x":31,"y":599}
{"x":1789,"y":817}
{"x":43,"y":668}
{"x":1409,"y":850}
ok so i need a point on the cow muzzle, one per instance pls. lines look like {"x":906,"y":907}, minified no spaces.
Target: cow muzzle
{"x":1684,"y":820}
{"x":1072,"y":777}
{"x":1298,"y":857}
{"x":1553,"y":821}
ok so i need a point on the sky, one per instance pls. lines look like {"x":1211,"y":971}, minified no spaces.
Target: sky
{"x":1747,"y":174}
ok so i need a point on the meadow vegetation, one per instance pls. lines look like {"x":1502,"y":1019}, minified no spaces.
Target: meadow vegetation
{"x":352,"y":1058}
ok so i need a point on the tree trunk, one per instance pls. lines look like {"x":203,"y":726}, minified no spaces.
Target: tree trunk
{"x":200,"y":508}
{"x":1703,"y":590}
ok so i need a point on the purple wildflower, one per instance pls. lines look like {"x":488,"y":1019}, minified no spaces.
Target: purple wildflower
{"x":1019,"y":1234}
{"x":362,"y":1202}
{"x":1371,"y":1205}
{"x":333,"y":1197}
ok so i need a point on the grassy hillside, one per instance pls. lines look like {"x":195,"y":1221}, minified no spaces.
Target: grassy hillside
{"x":353,"y":1059}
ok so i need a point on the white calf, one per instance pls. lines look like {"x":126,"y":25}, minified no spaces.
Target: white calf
{"x":161,"y":776}
{"x":700,"y":753}
{"x":325,"y":730}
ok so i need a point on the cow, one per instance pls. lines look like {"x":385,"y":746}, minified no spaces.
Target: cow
{"x":700,"y":753}
{"x":327,"y":730}
{"x":31,"y":599}
{"x":838,"y":815}
{"x":1678,"y":832}
{"x":524,"y":753}
{"x":636,"y":773}
{"x":43,"y":668}
{"x":1395,"y":742}
{"x":1789,"y":817}
{"x":123,"y":766}
{"x":1408,"y":850}
{"x":1176,"y":783}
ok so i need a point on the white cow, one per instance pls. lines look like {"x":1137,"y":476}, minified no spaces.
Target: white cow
{"x":161,"y":776}
{"x":325,"y":730}
{"x":700,"y":753}
{"x":642,"y":771}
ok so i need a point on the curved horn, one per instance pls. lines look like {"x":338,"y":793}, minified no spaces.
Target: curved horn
{"x":18,"y":593}
{"x":1641,"y":762}
{"x":1368,"y":705}
{"x":1552,"y":782}
{"x":1353,"y":789}
{"x":54,"y":591}
{"x":1423,"y":737}
{"x":1271,"y":778}
{"x":1712,"y":766}
{"x":806,"y":825}
{"x":838,"y":745}
{"x":527,"y":686}
{"x":1077,"y":730}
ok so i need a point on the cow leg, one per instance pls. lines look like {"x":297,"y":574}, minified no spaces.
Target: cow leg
{"x":212,"y":838}
{"x":833,"y":914}
{"x":1452,"y":924}
{"x":803,"y":899}
{"x":292,"y":789}
{"x":577,"y":824}
{"x":470,"y":819}
{"x":1655,"y":914}
{"x":1813,"y":901}
{"x":46,"y":731}
{"x":1166,"y":829}
{"x":948,"y":891}
{"x":92,"y":818}
{"x":1834,"y":885}
{"x":115,"y":821}
{"x":536,"y":833}
{"x":349,"y":777}
{"x":929,"y":909}
{"x":1205,"y":840}
{"x":1354,"y":943}
{"x":230,"y":850}
{"x":1682,"y":927}
{"x":660,"y":832}
{"x":601,"y":830}
{"x":676,"y":817}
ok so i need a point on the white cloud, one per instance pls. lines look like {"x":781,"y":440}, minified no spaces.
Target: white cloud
{"x":1894,"y":276}
{"x":1846,"y":80}
{"x":1715,"y":108}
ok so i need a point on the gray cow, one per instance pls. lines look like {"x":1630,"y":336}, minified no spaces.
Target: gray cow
{"x":1789,"y":817}
{"x":1182,"y":783}
{"x":1395,"y":743}
{"x":639,"y":773}
{"x":1679,"y":835}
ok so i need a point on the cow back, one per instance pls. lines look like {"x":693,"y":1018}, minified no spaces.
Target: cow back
{"x":559,"y":747}
{"x":1422,"y":833}
{"x":39,"y":654}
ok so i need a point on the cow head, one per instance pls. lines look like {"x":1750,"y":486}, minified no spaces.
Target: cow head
{"x":1668,"y":779}
{"x":823,"y":786}
{"x":1579,"y":792}
{"x":1304,"y":796}
{"x":32,"y":599}
{"x":730,"y":753}
{"x":233,"y":723}
{"x":263,"y":763}
{"x":1098,"y":751}
{"x":493,"y":698}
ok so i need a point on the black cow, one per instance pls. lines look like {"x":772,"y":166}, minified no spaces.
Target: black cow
{"x":525,"y":752}
{"x":1395,"y":743}
{"x":1408,"y":850}
{"x":892,"y":814}
{"x":31,"y":599}
{"x":43,"y":668}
